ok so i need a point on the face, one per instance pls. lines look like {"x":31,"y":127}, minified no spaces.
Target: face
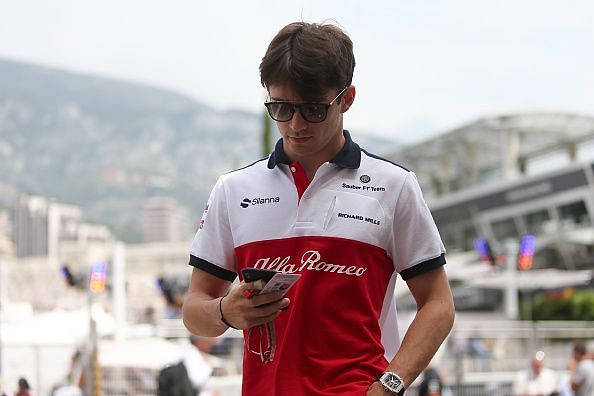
{"x":312,"y":143}
{"x":537,"y":366}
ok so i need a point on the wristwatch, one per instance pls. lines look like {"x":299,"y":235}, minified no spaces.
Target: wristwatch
{"x":392,"y":383}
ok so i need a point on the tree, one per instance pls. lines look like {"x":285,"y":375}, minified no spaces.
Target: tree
{"x":266,"y":135}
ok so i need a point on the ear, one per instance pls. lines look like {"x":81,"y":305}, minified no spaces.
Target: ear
{"x":348,"y":98}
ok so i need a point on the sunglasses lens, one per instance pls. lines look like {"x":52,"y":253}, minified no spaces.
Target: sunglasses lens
{"x":314,"y":112}
{"x":280,"y":111}
{"x":311,"y":112}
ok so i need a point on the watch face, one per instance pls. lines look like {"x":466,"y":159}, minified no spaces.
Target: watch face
{"x":392,"y":382}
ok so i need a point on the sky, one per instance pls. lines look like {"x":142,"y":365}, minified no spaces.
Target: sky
{"x":423,"y":67}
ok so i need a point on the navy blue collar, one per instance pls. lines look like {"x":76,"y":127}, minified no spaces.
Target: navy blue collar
{"x":348,"y":157}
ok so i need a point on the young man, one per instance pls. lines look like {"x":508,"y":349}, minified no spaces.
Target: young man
{"x":345,"y":220}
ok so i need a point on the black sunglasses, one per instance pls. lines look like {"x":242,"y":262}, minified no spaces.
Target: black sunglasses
{"x":282,"y":111}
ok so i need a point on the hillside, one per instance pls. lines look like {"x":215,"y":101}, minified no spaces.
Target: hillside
{"x":106,"y":145}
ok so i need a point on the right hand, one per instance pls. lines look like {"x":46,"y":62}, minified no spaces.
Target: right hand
{"x":245,"y":313}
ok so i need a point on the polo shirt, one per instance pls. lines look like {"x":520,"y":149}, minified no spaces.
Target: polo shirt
{"x":349,"y":232}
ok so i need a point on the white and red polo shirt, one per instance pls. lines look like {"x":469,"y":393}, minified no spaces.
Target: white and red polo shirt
{"x":361,"y":221}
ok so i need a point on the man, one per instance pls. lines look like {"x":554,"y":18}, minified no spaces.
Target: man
{"x":431,"y":383}
{"x":189,"y":375}
{"x":538,"y":380}
{"x":345,"y":220}
{"x":581,"y":371}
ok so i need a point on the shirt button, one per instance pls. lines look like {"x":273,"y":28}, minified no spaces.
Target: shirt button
{"x":293,"y":169}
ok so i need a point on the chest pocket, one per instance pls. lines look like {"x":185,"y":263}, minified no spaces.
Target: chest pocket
{"x":357,"y":217}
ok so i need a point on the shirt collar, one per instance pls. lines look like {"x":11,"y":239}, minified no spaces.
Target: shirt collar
{"x":348,"y":157}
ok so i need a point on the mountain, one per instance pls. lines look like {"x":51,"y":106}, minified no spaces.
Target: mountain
{"x":105,"y":144}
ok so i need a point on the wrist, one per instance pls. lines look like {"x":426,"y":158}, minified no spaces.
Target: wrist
{"x":222,"y":315}
{"x":378,"y":389}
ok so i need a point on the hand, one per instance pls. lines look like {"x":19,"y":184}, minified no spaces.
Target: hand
{"x":376,"y":389}
{"x":245,"y":313}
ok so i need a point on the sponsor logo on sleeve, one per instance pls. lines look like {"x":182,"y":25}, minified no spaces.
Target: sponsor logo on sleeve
{"x":201,"y":225}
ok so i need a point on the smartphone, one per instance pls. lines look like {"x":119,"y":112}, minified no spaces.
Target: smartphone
{"x":253,"y":274}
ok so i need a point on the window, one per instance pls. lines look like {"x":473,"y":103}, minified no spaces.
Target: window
{"x":536,"y":222}
{"x":458,"y":236}
{"x":504,"y":229}
{"x":573,"y":214}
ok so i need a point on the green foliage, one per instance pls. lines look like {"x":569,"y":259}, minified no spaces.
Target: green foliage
{"x":566,"y":306}
{"x":266,"y":132}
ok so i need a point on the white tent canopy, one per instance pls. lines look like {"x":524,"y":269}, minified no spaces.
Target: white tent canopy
{"x":149,"y":353}
{"x":56,"y":327}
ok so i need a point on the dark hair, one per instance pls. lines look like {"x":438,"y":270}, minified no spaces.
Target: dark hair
{"x":311,"y":57}
{"x":579,"y":348}
{"x":24,"y":384}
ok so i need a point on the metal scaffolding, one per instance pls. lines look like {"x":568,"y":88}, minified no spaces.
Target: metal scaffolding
{"x":492,"y":149}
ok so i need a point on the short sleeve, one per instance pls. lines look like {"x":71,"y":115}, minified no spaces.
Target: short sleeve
{"x":416,"y":244}
{"x":212,"y":247}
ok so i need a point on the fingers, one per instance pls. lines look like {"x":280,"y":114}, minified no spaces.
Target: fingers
{"x":266,"y":298}
{"x":251,"y":288}
{"x":257,"y":309}
{"x":266,"y":313}
{"x":264,"y":310}
{"x":253,"y":315}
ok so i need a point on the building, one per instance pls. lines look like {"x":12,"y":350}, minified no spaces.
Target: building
{"x":500,"y":179}
{"x":497,"y":149}
{"x":163,"y":220}
{"x":31,"y":226}
{"x":6,"y":244}
{"x":42,"y":226}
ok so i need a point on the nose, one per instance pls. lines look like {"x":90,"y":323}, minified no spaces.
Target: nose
{"x":297,"y":123}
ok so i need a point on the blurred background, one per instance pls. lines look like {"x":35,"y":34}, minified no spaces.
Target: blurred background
{"x":116,"y":118}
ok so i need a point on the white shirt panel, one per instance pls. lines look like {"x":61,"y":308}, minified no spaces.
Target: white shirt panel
{"x":415,"y":236}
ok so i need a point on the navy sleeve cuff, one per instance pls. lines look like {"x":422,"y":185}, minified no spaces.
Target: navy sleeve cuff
{"x":212,"y":269}
{"x":423,"y":267}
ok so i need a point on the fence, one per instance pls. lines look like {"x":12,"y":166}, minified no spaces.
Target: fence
{"x":468,"y":370}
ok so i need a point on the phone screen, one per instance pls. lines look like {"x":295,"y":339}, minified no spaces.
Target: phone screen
{"x":275,"y":281}
{"x":254,"y":274}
